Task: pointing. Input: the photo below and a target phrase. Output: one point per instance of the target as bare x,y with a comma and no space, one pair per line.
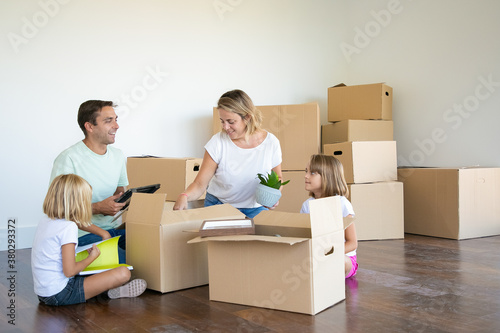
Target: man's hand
105,235
108,206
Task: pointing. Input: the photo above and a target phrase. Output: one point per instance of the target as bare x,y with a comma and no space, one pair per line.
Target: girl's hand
94,252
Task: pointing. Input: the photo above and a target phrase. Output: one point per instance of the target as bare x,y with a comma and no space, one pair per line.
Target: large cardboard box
173,174
456,203
378,209
295,262
157,241
357,130
366,161
293,193
297,127
367,101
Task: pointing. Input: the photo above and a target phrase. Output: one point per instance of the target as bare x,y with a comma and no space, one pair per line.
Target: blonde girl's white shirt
235,179
46,255
346,211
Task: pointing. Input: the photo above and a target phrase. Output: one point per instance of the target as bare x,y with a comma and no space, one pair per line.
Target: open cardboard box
157,242
301,270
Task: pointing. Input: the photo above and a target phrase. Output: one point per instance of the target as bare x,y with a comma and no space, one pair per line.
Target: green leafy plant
271,180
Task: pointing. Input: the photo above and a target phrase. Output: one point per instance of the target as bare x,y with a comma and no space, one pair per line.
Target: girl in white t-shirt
234,156
53,265
325,178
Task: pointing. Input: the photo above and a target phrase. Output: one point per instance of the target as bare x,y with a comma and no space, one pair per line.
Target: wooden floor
419,284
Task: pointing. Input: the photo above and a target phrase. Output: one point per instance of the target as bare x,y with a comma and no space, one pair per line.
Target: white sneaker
131,289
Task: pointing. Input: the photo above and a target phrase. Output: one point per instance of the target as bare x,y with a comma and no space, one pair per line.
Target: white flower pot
267,196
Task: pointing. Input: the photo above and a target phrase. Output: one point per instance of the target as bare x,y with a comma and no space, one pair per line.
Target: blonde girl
55,271
325,178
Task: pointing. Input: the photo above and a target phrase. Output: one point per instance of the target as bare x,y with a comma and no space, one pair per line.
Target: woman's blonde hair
69,197
237,101
332,175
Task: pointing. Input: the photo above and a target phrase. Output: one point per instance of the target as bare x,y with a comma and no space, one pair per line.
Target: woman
234,157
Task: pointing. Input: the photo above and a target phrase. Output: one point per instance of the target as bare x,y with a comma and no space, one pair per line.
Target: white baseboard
23,237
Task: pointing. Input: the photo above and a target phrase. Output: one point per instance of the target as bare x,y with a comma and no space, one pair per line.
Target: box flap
250,238
285,224
326,216
152,209
146,208
282,219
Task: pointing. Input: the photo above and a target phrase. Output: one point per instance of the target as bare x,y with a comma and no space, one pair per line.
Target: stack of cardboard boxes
360,135
298,129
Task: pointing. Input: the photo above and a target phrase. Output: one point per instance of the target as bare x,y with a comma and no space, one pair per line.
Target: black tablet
142,189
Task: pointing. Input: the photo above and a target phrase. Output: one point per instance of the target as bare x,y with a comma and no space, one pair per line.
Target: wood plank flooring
419,284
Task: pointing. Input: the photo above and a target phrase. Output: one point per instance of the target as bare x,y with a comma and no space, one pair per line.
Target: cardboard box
378,209
368,101
366,161
357,130
173,174
293,193
297,127
456,203
300,271
157,241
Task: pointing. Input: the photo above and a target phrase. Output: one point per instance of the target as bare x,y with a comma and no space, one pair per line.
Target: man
103,166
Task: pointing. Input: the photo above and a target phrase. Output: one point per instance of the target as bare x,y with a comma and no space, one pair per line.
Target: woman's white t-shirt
346,211
235,179
46,255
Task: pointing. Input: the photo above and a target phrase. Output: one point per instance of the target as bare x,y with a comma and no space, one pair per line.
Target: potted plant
268,190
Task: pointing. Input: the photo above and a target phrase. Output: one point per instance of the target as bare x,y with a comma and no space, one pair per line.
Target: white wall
436,55
173,59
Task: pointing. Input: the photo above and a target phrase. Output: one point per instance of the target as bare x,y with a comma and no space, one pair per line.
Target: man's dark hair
89,111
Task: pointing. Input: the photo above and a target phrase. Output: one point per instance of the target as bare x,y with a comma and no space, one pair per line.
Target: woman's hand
200,183
182,202
273,207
